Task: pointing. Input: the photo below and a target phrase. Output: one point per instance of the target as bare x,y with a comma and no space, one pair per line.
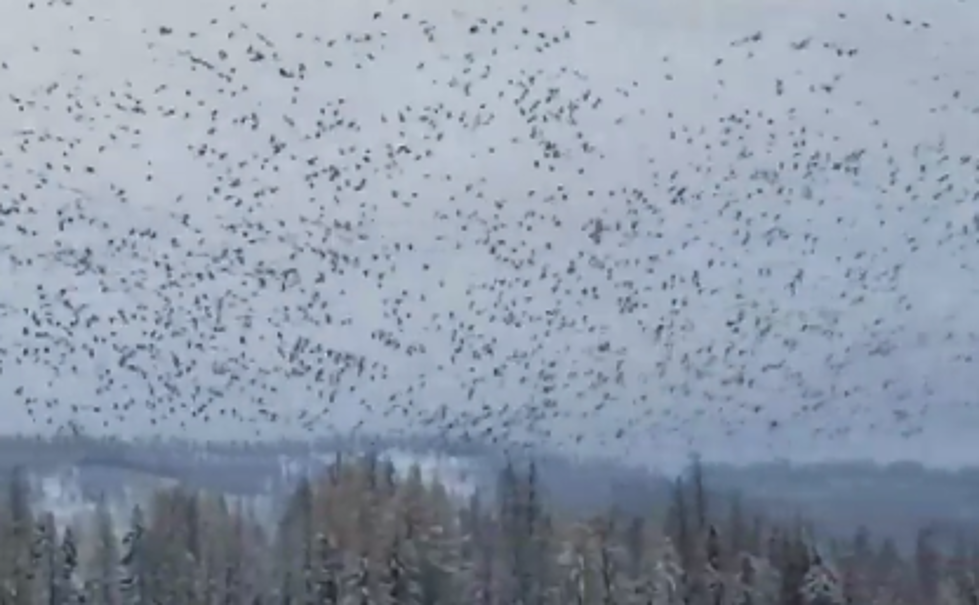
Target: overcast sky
854,289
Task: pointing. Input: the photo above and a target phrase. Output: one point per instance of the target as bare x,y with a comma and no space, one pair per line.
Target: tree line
363,534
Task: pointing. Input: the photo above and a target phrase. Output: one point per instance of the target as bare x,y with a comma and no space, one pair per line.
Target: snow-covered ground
63,493
457,475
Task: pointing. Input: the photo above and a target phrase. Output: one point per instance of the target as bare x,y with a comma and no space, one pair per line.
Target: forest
363,534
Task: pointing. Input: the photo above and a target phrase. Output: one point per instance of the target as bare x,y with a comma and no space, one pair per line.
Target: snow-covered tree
575,563
757,582
609,560
68,590
17,540
661,578
480,537
233,588
105,568
329,567
134,566
357,583
401,584
821,585
46,560
295,545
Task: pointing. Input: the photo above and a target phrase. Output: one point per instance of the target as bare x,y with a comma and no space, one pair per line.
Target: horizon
426,445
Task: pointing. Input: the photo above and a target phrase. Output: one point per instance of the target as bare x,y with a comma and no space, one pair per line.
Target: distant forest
838,498
362,533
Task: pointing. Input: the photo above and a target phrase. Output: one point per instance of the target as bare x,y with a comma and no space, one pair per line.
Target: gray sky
876,322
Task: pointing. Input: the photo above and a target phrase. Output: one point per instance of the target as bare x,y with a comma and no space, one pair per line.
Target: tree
715,578
329,566
357,589
401,583
737,529
793,566
609,560
234,565
296,544
679,524
18,540
820,584
479,549
134,568
526,535
68,592
927,565
45,560
575,561
757,582
106,568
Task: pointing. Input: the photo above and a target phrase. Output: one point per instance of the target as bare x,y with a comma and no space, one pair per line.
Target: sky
790,218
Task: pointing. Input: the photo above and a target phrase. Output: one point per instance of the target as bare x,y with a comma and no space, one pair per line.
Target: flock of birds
605,224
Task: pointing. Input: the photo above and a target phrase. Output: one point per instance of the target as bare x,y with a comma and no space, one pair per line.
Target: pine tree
481,552
679,526
133,564
401,582
68,592
285,588
793,567
574,558
758,582
714,577
745,592
927,563
525,540
446,573
190,560
106,556
232,588
328,570
45,560
669,575
534,558
357,584
296,544
19,539
820,585
609,558
737,530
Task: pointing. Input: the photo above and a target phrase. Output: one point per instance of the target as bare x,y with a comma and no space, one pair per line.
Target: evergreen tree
69,592
927,565
106,555
401,583
820,585
357,584
609,563
233,589
19,539
480,552
574,560
133,563
45,560
329,568
296,543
